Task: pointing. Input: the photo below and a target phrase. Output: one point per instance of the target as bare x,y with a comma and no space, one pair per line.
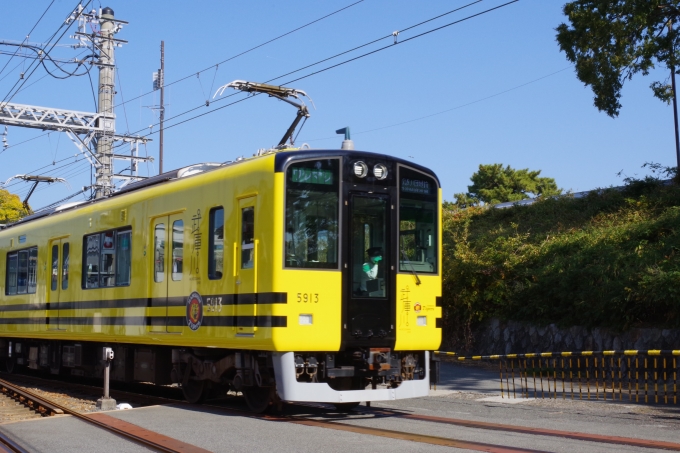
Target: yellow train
295,275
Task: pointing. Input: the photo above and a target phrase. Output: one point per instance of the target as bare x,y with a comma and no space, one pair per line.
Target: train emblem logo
194,311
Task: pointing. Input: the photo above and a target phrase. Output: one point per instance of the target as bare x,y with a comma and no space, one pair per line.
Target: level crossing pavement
465,392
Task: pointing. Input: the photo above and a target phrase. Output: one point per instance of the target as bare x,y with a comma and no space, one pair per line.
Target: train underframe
264,378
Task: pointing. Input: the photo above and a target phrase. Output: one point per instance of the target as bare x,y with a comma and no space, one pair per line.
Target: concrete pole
160,134
104,177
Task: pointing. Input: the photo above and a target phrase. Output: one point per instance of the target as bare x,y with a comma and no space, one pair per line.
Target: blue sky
508,95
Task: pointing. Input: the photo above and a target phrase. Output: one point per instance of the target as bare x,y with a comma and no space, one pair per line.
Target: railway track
317,417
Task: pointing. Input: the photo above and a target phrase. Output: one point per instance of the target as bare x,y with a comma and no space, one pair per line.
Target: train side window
64,265
216,246
247,238
21,272
123,258
159,253
91,261
107,259
177,249
32,270
55,266
12,273
107,274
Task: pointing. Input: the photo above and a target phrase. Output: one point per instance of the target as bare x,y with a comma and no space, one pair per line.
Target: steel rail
129,431
600,438
371,431
31,400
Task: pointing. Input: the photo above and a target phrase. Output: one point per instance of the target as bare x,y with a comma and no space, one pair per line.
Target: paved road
466,392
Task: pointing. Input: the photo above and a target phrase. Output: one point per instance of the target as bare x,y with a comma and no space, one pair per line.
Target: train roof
282,158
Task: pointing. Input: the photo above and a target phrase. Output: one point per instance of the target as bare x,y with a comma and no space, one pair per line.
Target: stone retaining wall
508,337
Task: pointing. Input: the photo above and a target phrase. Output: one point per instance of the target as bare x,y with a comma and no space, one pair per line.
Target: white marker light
421,321
305,320
360,169
380,171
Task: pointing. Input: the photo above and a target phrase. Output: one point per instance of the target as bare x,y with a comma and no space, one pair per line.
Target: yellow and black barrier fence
629,375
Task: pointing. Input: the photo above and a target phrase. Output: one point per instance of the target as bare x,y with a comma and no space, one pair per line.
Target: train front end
361,264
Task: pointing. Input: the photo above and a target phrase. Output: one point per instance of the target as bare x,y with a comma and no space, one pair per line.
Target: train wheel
194,391
345,407
258,398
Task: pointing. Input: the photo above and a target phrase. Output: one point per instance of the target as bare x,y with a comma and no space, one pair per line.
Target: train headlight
360,169
380,171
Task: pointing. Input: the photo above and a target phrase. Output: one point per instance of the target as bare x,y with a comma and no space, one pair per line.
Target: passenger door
59,281
368,278
245,268
168,296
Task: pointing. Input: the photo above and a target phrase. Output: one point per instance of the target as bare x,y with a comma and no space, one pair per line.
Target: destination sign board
312,176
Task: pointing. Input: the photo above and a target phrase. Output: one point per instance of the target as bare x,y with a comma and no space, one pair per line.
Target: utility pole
161,77
104,180
86,129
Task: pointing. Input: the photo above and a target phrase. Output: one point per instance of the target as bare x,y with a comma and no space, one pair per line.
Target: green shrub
611,259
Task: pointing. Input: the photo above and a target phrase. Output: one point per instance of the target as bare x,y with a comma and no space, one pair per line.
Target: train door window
64,265
32,270
177,249
369,254
247,237
159,253
216,246
55,266
12,273
123,258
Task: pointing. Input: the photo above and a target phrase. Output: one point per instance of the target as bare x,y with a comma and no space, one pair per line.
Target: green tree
11,208
494,183
610,41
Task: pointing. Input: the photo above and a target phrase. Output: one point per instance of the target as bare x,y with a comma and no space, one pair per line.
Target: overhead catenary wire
327,68
447,110
12,92
324,69
216,65
310,65
29,34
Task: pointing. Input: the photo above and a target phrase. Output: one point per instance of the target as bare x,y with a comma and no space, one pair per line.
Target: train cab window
417,222
64,265
106,259
21,276
312,214
247,238
216,244
177,249
159,253
55,267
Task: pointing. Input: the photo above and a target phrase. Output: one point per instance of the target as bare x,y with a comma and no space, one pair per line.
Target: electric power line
29,34
246,51
326,69
25,79
447,110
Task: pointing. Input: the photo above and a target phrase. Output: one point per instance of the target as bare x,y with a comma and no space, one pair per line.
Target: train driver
369,270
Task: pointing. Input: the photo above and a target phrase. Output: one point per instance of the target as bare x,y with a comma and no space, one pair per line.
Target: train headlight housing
380,171
360,169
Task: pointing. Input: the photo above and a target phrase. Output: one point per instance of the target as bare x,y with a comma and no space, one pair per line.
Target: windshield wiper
413,271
